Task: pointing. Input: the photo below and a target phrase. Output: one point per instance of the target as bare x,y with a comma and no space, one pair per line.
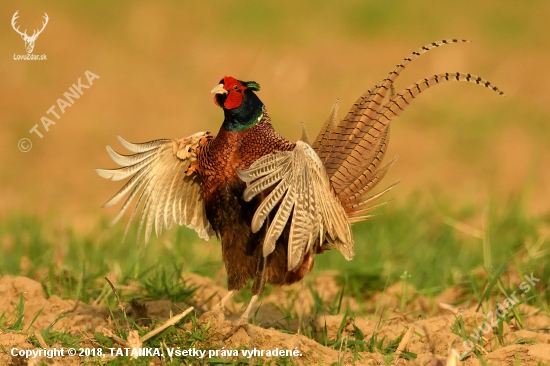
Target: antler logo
29,40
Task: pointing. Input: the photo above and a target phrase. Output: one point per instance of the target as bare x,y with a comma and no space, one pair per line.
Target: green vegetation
437,245
453,253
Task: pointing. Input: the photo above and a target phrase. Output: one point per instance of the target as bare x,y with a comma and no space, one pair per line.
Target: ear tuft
252,85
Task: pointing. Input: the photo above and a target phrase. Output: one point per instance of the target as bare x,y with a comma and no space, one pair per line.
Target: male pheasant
273,203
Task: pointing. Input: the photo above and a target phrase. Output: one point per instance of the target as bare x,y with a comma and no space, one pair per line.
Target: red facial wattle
235,91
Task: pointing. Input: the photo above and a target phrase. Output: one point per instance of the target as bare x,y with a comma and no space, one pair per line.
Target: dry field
417,331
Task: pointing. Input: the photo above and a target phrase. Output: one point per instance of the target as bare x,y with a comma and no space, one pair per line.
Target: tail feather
355,220
370,199
322,144
362,162
397,104
347,175
342,132
360,120
352,150
364,211
356,212
388,82
364,184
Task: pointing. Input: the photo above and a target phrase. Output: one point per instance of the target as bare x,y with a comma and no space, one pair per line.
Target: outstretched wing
159,177
304,192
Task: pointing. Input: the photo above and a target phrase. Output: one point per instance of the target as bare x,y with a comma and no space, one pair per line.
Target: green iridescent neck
243,119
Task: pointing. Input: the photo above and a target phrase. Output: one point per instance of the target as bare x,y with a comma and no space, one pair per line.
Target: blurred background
157,62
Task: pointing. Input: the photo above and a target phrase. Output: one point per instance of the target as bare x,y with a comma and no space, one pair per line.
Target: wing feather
124,172
142,146
127,160
268,204
306,198
262,166
127,186
279,221
136,189
269,180
158,171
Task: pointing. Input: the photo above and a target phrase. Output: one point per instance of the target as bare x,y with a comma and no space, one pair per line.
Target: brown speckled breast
226,210
230,150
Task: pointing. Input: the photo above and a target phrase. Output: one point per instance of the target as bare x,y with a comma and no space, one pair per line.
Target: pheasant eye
235,87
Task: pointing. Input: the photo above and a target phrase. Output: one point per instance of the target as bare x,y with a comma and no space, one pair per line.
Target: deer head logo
29,40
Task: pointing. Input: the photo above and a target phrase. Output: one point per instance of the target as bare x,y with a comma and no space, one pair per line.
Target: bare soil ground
431,337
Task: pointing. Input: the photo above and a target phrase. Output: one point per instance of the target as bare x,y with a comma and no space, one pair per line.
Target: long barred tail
352,150
335,141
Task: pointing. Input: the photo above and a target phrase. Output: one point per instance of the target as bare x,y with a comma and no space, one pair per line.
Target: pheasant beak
218,89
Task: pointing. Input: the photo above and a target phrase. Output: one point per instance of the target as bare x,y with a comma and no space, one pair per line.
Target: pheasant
273,203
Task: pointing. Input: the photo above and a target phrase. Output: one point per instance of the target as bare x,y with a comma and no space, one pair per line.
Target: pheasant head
241,106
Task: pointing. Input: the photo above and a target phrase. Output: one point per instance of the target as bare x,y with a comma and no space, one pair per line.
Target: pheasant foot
242,322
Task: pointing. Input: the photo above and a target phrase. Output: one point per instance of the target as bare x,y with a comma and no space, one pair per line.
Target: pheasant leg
242,322
216,313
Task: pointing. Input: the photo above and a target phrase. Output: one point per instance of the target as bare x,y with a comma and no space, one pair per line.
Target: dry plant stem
219,309
449,307
166,347
71,310
118,340
466,229
101,296
154,332
118,300
452,360
114,291
134,341
341,355
40,339
169,323
481,349
221,305
403,344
